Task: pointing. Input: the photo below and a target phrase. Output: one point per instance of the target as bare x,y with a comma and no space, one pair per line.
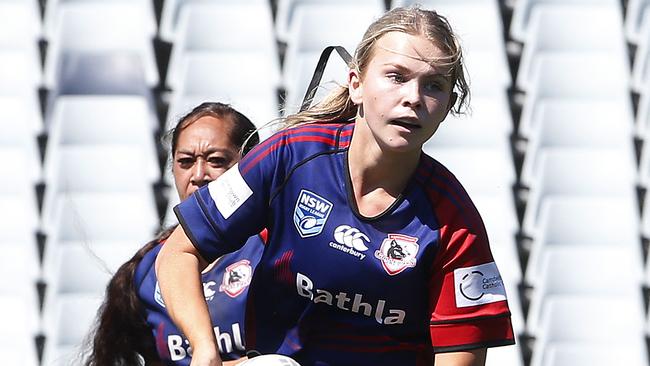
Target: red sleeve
468,301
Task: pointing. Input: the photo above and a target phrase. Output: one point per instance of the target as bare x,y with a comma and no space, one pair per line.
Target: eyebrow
408,71
208,152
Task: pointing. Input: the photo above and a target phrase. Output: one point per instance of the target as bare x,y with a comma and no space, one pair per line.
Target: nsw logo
311,213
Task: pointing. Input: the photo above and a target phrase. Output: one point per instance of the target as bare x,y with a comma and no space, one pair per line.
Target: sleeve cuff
471,334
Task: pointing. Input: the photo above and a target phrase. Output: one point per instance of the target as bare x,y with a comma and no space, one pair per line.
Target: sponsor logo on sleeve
311,213
478,285
350,240
229,191
397,253
236,278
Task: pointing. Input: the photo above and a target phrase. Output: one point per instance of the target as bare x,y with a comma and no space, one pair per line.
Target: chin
402,145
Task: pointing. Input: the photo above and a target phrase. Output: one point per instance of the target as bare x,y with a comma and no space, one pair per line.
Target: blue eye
396,77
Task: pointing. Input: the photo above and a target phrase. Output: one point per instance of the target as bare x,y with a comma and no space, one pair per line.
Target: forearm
464,358
178,268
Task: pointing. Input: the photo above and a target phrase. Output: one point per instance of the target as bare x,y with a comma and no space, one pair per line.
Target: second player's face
203,152
403,98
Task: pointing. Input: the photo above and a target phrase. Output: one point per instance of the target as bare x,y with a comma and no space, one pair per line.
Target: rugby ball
270,360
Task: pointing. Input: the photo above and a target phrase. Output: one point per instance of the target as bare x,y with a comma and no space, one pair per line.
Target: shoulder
295,144
146,265
448,198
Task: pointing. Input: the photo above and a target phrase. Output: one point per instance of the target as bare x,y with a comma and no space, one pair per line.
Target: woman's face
203,152
402,97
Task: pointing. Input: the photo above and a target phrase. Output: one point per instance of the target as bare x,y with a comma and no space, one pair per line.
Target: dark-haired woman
133,323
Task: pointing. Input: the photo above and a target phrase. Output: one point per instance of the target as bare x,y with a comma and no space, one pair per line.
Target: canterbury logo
351,237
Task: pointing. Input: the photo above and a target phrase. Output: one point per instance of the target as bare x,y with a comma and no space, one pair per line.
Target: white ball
270,360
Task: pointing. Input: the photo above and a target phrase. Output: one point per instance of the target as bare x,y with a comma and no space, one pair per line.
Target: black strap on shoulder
320,69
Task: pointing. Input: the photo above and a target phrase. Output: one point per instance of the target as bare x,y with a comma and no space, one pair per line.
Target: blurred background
552,150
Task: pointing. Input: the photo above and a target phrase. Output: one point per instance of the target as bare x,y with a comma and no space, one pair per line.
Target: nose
412,96
200,174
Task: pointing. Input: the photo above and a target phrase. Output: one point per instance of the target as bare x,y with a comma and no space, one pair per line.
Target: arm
178,268
474,357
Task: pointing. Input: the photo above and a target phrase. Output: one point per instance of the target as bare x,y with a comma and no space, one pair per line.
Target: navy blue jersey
336,288
225,287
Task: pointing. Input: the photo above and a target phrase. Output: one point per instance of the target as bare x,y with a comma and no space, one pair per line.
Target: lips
406,123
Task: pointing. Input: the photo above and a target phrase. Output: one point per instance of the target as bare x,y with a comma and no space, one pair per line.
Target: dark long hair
121,335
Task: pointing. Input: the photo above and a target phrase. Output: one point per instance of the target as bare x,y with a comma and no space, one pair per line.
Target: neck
378,176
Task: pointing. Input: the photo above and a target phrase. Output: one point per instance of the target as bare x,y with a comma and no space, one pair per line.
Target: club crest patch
311,213
398,252
236,278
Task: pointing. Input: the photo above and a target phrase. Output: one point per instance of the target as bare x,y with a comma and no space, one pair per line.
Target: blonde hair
337,106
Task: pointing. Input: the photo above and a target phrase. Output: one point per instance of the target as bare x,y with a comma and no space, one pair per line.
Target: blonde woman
376,254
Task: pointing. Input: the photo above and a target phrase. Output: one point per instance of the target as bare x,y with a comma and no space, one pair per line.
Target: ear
355,87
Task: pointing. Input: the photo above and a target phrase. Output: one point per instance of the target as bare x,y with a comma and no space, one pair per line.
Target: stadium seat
586,223
106,73
21,112
202,27
314,27
567,172
143,8
637,18
100,28
577,113
569,269
19,23
575,353
262,110
66,321
570,320
83,268
19,319
256,97
640,78
521,15
18,141
102,216
578,124
19,265
488,124
20,352
19,174
478,176
570,77
83,120
23,220
287,10
18,311
643,116
89,168
20,71
171,10
570,29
